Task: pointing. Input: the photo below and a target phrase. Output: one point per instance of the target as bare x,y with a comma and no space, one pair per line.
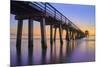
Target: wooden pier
46,14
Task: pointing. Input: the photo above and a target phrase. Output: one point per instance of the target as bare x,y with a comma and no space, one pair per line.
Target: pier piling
19,33
51,34
55,34
43,34
60,34
30,33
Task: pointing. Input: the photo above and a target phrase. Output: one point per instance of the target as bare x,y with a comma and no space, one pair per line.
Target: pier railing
49,10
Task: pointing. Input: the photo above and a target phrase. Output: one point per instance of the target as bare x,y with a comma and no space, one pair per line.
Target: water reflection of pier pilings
30,56
70,46
18,56
64,56
43,58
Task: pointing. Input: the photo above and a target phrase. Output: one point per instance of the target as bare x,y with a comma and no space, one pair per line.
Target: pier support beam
75,36
67,35
55,34
51,34
72,35
78,35
19,33
60,33
43,34
30,33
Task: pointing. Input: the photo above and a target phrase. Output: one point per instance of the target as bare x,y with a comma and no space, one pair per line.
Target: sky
82,16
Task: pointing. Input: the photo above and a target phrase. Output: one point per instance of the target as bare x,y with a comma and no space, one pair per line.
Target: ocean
80,50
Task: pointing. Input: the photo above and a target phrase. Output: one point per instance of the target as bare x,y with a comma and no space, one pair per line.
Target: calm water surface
82,50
